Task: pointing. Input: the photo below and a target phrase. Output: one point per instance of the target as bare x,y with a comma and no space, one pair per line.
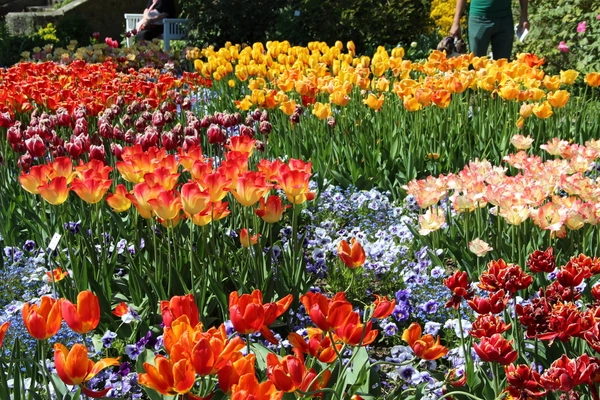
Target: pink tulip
581,27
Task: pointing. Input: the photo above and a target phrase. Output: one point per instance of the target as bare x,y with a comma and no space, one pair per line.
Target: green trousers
499,32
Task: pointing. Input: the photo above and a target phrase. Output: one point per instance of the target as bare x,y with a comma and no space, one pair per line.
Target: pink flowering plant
567,33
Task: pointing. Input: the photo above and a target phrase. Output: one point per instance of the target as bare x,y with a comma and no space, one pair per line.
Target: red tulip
496,349
178,306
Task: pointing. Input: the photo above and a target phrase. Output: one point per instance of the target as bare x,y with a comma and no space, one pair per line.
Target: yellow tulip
339,98
382,84
374,103
322,111
559,98
288,107
411,103
551,82
543,110
568,77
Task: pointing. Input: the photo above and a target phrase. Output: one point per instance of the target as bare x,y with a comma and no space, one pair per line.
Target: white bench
174,29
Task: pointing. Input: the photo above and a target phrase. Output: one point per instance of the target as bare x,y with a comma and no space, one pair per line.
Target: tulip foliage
180,205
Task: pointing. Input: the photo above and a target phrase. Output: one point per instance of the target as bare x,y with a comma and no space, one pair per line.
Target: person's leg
149,34
502,38
480,34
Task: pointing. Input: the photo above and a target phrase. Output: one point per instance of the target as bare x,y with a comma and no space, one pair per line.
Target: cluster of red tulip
95,86
555,313
195,353
44,320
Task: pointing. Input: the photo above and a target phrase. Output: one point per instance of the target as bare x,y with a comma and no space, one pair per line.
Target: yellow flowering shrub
442,14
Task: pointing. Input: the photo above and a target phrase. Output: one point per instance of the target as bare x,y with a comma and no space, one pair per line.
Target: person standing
151,24
490,22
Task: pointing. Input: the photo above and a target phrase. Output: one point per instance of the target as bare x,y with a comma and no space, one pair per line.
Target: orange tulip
37,176
86,316
248,314
121,309
193,199
383,307
355,333
3,329
354,256
272,210
327,314
167,377
318,345
91,190
424,347
57,274
166,205
295,185
249,388
287,374
43,321
211,351
118,201
339,98
56,191
162,176
62,166
217,184
593,79
441,98
231,373
213,212
246,240
250,187
242,143
75,368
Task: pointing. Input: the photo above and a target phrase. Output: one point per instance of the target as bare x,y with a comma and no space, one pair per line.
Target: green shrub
556,21
369,23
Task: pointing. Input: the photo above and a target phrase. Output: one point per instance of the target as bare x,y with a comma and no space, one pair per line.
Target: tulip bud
105,129
81,126
96,35
117,133
25,162
13,134
168,115
216,134
140,125
150,139
117,151
190,141
204,122
35,146
62,117
73,149
265,127
18,147
186,104
158,119
120,101
5,119
245,130
264,116
80,112
331,121
97,153
169,141
228,121
238,118
249,120
260,146
295,118
129,136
